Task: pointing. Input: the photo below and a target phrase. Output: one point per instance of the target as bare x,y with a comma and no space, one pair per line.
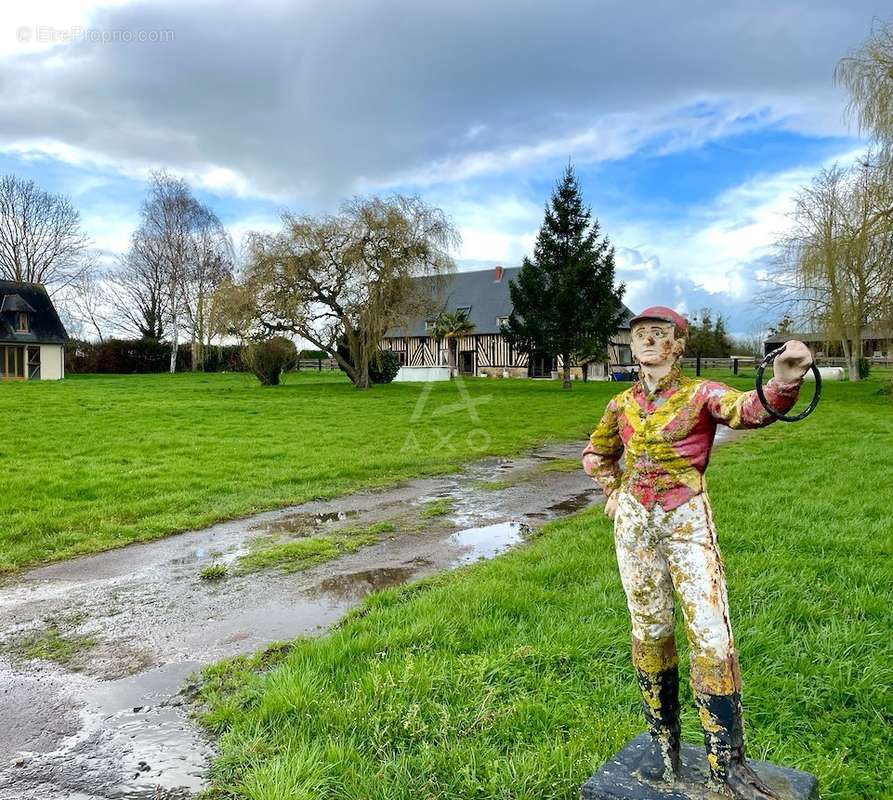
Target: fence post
319,365
735,366
698,365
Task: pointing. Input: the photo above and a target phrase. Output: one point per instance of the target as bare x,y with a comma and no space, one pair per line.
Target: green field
506,679
511,678
95,462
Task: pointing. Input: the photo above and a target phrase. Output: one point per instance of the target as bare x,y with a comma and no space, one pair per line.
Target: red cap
663,314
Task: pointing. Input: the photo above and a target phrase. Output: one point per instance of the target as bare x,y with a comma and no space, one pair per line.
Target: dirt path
97,713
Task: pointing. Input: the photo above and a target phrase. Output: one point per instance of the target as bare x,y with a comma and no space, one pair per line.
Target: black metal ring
778,415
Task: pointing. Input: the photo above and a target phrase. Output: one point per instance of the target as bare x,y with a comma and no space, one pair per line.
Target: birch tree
210,263
180,253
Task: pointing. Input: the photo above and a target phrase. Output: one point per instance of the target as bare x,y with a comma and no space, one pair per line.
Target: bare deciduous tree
137,290
168,218
86,302
349,276
179,256
40,235
210,263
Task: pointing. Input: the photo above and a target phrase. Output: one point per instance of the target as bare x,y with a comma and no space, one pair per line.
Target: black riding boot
660,695
721,719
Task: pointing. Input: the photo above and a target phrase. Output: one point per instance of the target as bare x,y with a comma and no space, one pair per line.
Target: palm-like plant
450,326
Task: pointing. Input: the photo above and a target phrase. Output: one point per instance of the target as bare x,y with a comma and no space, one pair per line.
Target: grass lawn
95,462
511,678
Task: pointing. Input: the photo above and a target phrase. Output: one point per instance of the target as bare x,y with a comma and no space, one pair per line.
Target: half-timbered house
483,296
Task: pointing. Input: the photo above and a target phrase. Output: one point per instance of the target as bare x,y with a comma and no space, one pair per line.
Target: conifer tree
565,302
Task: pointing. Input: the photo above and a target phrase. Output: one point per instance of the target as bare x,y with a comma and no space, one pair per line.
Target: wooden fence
749,362
317,364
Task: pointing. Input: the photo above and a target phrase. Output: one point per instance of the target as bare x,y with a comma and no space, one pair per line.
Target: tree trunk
361,359
174,344
343,363
852,359
566,369
363,374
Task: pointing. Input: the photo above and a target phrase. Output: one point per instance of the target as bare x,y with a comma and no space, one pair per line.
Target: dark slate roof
44,322
488,299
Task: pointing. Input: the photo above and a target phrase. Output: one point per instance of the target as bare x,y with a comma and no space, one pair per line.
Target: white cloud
41,25
716,246
110,232
252,223
303,100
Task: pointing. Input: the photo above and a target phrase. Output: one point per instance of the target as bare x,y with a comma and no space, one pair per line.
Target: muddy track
94,651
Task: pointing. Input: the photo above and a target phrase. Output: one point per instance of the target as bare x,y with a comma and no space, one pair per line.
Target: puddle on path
95,735
356,585
487,541
305,523
571,504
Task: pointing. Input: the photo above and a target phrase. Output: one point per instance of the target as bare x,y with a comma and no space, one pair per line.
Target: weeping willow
867,75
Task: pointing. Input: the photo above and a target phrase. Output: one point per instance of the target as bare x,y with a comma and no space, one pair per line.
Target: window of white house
501,322
22,322
463,310
429,325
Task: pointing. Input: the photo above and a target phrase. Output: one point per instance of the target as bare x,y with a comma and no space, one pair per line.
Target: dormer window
502,322
22,322
463,311
429,325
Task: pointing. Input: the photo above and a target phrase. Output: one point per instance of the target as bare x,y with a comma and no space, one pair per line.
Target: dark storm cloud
318,98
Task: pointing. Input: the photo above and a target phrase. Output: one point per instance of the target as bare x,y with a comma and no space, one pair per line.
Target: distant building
32,336
876,343
483,295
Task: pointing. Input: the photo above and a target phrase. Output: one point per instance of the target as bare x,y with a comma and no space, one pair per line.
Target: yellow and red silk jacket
667,434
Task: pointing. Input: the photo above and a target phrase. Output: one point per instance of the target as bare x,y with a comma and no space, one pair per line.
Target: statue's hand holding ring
792,363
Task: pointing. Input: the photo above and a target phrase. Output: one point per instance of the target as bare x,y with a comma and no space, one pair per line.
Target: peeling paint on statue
663,427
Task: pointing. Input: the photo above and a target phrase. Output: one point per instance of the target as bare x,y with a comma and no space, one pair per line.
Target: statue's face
654,343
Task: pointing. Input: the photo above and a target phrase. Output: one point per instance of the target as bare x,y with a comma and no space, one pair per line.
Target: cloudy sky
691,124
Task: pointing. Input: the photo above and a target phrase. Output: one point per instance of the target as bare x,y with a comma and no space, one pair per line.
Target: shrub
383,367
864,368
269,358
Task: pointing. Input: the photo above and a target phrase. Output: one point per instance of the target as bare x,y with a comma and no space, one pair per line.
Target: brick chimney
497,274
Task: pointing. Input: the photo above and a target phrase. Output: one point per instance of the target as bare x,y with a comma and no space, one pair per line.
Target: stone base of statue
617,779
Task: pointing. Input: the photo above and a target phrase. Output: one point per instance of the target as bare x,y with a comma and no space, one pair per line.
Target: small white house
32,337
